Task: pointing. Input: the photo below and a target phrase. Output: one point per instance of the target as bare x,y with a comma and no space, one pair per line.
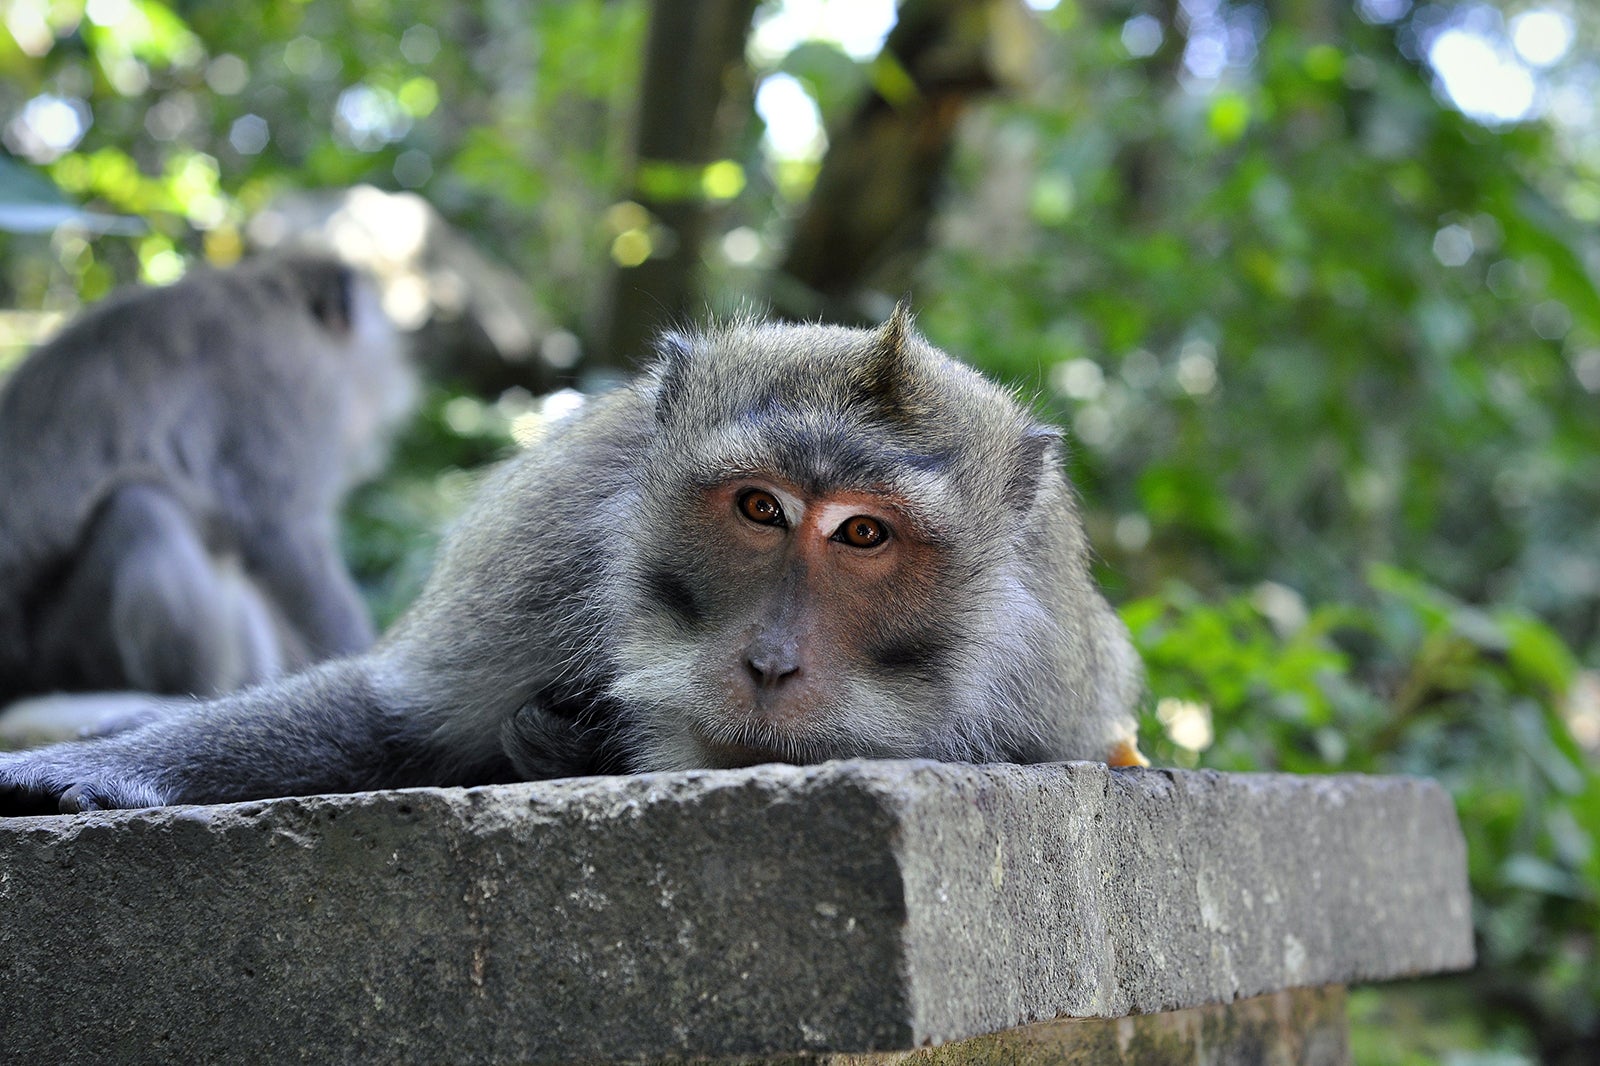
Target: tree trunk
868,216
693,46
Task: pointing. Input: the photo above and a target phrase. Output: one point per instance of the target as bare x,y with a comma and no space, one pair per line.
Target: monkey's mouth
733,756
731,753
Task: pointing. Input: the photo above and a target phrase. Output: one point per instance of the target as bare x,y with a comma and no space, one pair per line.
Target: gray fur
171,465
588,612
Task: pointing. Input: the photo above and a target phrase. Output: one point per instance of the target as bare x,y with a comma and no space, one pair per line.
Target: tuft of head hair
889,362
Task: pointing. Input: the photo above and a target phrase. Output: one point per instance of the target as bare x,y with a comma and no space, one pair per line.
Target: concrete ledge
849,907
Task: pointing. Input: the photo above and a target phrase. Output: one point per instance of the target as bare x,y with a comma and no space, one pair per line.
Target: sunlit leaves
120,32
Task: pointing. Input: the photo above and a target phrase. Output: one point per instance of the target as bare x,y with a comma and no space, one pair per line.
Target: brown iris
862,531
762,507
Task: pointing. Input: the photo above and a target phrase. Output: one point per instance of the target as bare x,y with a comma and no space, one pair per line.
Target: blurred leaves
500,114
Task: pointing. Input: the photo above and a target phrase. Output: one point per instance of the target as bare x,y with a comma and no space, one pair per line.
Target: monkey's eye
761,507
862,531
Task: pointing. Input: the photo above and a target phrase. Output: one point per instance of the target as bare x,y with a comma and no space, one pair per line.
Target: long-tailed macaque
171,465
782,543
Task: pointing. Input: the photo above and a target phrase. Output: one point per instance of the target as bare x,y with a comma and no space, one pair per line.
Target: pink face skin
823,575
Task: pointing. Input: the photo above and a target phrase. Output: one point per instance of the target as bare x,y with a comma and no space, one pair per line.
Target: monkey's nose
771,666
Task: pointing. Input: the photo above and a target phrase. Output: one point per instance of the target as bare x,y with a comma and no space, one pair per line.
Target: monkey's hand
542,745
329,729
72,777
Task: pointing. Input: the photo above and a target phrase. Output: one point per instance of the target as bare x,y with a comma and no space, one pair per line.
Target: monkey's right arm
331,729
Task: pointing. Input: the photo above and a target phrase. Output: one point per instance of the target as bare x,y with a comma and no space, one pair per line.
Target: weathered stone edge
1136,869
1168,889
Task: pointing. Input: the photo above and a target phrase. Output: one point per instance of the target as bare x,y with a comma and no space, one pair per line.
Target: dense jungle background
1313,284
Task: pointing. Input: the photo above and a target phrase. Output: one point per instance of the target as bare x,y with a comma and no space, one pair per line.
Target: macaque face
819,554
789,626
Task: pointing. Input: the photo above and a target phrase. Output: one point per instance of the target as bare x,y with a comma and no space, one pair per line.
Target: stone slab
848,907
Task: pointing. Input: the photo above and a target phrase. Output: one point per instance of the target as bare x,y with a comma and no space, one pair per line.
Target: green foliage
1412,411
503,116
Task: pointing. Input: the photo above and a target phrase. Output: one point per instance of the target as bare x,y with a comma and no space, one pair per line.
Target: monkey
171,465
780,543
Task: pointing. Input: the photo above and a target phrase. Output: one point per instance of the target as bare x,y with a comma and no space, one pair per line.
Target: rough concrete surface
848,907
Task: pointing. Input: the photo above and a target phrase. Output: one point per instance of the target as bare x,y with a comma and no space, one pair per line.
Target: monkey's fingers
56,781
80,798
1126,752
108,792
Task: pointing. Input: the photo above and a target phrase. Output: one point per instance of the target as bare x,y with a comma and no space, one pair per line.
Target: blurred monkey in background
171,466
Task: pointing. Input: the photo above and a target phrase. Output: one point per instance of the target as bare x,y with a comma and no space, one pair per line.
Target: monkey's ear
674,350
1037,452
888,364
330,285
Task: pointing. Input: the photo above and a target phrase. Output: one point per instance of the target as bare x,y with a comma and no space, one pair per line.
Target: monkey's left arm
330,729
